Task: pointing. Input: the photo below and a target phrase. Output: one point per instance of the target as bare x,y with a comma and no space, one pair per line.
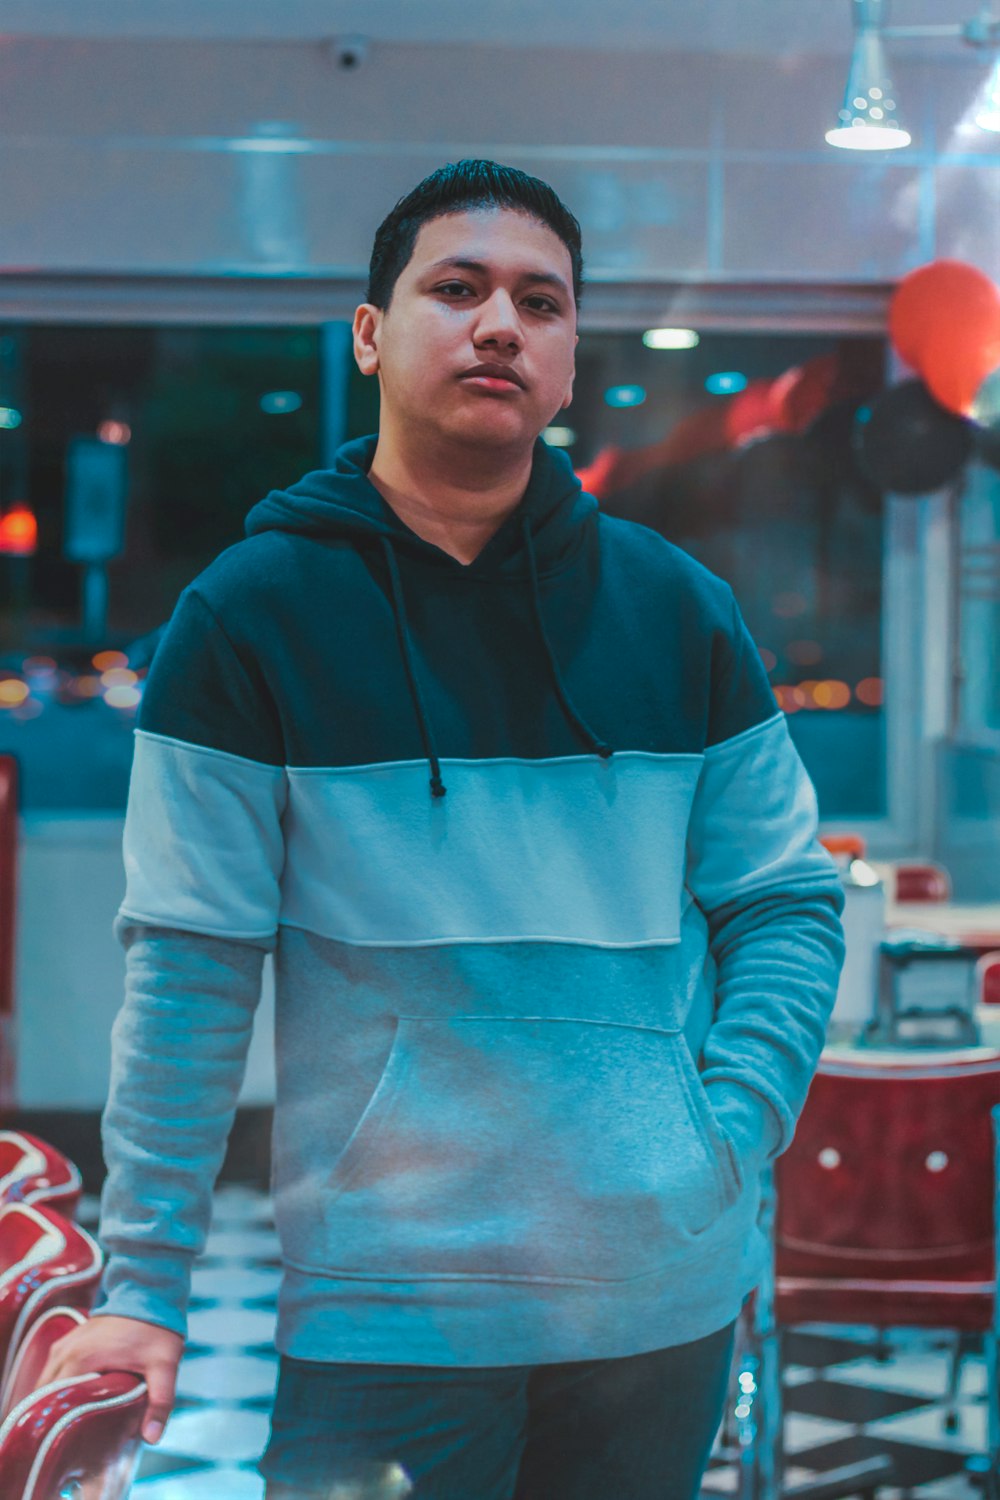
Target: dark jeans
639,1428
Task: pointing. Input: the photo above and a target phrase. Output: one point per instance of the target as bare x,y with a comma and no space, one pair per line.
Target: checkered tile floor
843,1401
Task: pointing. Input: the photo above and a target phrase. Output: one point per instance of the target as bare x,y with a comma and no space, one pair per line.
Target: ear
569,389
367,327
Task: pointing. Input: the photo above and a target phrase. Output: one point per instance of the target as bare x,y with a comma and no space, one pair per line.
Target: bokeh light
624,395
105,660
13,692
831,694
122,697
869,692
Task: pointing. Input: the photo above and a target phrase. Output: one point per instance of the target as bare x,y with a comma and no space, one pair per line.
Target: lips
494,372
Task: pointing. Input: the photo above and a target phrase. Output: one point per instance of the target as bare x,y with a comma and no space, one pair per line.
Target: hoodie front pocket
527,1148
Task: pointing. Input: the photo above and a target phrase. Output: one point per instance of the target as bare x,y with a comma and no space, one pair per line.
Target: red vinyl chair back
922,883
32,1171
988,969
82,1432
885,1197
30,1356
80,1435
44,1260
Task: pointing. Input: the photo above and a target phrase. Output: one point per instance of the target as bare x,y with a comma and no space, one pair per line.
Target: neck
455,500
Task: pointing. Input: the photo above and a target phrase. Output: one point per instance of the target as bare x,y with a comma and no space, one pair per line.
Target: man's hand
112,1343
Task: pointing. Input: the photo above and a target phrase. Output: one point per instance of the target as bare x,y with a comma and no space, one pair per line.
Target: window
197,425
787,517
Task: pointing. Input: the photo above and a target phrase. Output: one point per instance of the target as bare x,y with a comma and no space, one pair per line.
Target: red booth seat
32,1171
44,1260
76,1435
83,1431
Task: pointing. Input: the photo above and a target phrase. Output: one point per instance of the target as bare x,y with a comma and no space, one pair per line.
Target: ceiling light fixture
867,117
671,338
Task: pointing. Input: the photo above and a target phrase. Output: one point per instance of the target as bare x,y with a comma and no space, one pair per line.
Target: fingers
161,1379
150,1352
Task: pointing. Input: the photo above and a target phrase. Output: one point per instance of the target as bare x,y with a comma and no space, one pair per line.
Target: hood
342,502
549,524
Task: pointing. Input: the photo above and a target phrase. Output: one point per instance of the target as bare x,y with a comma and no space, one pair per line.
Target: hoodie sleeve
773,901
203,855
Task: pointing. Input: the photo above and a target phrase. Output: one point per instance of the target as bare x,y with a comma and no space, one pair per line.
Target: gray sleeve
179,1048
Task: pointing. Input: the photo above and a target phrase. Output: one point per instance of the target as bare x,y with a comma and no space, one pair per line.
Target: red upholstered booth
32,1171
45,1261
80,1435
77,1436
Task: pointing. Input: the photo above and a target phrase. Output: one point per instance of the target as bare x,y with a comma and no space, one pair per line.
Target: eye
453,286
547,305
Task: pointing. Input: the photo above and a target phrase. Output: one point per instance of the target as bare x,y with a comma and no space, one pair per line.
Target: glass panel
753,470
979,604
138,452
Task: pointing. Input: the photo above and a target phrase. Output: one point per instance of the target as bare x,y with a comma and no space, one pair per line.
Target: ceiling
775,27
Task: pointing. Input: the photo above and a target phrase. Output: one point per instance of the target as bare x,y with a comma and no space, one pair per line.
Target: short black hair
454,188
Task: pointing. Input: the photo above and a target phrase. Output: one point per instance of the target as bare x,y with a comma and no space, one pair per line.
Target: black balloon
831,443
987,446
911,445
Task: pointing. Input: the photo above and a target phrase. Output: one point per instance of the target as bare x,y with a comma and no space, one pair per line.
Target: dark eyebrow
547,278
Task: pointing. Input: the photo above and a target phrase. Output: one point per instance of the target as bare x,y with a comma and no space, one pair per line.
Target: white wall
70,971
178,157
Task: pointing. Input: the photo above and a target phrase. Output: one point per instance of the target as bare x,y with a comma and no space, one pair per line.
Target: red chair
883,1214
77,1436
80,1435
32,1171
32,1352
924,882
988,970
45,1260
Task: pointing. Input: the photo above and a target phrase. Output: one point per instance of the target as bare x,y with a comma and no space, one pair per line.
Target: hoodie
554,941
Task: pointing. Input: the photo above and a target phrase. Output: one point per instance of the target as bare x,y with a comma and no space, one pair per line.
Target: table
976,925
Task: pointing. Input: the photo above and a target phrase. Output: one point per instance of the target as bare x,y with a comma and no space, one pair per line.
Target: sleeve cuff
747,1118
152,1288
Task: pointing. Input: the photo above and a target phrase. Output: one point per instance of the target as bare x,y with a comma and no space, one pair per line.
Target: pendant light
867,120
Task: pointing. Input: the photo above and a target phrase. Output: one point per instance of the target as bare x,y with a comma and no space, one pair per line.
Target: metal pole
95,601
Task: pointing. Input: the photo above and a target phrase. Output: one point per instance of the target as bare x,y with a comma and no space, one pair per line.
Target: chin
492,434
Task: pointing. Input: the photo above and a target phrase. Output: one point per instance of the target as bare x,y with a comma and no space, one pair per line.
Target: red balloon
751,411
955,361
937,299
801,393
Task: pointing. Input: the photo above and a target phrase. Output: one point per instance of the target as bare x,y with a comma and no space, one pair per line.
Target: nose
498,322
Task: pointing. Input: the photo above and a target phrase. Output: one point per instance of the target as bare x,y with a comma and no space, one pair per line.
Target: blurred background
188,195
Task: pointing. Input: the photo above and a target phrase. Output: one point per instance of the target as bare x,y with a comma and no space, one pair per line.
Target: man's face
483,287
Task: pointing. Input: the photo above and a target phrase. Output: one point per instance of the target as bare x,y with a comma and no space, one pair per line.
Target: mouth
498,378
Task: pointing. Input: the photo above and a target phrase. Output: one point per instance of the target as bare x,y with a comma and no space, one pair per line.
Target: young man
502,783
